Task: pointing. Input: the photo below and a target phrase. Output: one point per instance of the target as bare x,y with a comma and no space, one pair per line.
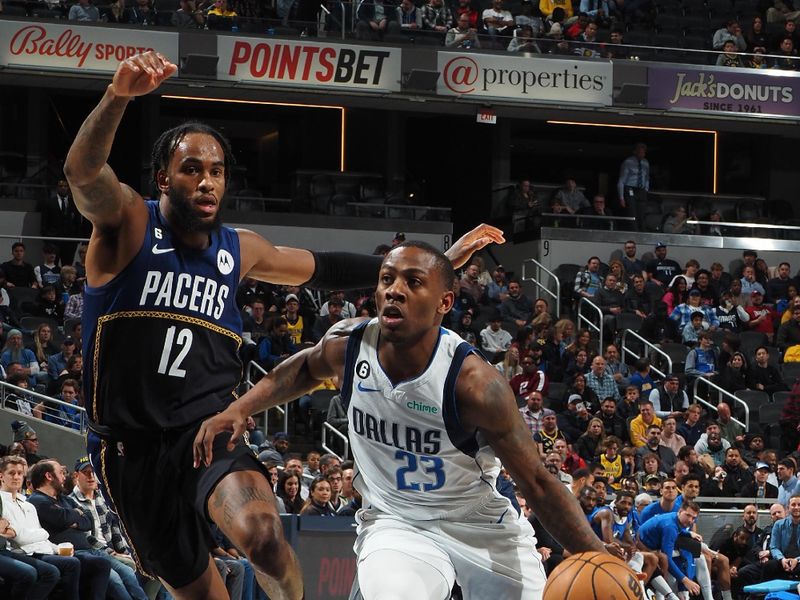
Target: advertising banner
69,46
525,79
724,90
308,64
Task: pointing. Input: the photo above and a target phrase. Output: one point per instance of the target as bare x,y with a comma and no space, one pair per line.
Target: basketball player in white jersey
427,417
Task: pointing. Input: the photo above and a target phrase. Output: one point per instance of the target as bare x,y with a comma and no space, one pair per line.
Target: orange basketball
592,576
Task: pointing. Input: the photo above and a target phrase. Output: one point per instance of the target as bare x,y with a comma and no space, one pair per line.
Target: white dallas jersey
413,459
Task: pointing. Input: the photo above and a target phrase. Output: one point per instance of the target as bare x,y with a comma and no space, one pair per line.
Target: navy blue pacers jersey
161,340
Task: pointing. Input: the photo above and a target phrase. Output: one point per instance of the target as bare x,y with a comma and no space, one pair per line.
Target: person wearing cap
762,316
753,450
105,533
333,314
58,362
682,314
548,433
760,487
494,339
280,442
25,435
348,308
731,315
15,352
300,326
668,398
661,269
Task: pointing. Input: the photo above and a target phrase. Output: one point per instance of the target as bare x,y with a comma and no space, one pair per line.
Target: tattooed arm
486,403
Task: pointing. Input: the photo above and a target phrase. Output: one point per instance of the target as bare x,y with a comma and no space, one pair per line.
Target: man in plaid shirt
436,16
532,413
603,384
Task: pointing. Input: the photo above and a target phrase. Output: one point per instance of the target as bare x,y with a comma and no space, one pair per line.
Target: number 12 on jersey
432,465
184,341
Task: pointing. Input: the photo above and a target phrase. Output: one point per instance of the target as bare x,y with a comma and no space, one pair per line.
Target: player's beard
181,205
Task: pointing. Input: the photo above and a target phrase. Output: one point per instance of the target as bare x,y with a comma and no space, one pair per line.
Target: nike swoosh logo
157,250
361,388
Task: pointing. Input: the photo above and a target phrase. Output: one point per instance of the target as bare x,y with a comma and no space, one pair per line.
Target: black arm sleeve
344,271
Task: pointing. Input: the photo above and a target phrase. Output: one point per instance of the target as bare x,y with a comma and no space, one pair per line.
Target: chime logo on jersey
224,261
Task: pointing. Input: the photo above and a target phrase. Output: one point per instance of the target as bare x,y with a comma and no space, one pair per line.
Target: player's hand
228,420
545,552
696,536
141,74
615,549
691,586
469,243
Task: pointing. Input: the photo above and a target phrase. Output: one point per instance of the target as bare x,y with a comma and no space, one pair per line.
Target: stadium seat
750,341
790,372
754,399
780,398
768,417
676,352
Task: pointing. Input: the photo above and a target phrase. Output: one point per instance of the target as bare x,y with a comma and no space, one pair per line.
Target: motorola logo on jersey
399,436
224,261
184,291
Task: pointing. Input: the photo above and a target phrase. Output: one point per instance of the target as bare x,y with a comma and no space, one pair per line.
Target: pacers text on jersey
399,436
184,292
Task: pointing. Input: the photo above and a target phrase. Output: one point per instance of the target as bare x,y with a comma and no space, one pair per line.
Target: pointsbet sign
308,64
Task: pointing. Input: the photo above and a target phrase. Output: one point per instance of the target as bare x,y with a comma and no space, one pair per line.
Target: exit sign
487,116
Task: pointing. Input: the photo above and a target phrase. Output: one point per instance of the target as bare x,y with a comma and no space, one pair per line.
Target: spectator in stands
787,481
65,522
73,370
188,16
692,329
43,346
661,270
600,382
616,48
638,426
547,8
256,325
409,18
323,323
763,376
549,433
682,313
15,352
533,413
587,43
618,269
465,8
277,346
590,444
611,303
531,379
702,282
777,288
720,280
702,360
48,305
633,266
677,222
760,487
753,451
527,17
57,363
524,41
786,59
691,429
18,272
376,19
510,366
25,434
497,288
20,401
637,299
84,10
558,44
587,280
784,546
642,380
598,208
348,308
319,495
658,328
436,16
789,335
613,424
711,446
471,285
47,273
749,281
731,32
66,413
634,183
734,374
497,20
571,197
517,308
250,289
653,445
67,284
668,399
672,439
462,35
762,316
615,367
494,339
59,220
677,295
220,10
288,493
465,328
730,314
789,30
574,421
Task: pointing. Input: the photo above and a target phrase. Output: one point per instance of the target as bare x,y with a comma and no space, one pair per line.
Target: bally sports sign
524,79
308,64
48,45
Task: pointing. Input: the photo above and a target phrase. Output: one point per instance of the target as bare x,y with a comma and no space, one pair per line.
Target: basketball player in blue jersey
428,420
161,340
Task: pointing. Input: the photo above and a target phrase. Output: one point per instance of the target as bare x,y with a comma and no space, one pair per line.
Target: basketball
592,575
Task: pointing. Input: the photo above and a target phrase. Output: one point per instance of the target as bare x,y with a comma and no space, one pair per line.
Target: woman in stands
43,347
578,364
510,366
582,341
756,36
617,268
319,495
586,393
651,465
288,493
589,445
563,334
677,294
733,376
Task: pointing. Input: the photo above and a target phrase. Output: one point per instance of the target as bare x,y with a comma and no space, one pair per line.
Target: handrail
7,388
653,348
590,324
747,225
540,267
610,219
249,382
328,427
387,206
697,398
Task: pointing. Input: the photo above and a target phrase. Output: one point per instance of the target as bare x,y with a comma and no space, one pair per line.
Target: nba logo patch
224,262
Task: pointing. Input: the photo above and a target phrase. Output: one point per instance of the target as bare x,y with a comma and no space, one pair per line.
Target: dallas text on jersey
394,434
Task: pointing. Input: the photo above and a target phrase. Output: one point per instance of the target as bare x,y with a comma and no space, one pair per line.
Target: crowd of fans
743,34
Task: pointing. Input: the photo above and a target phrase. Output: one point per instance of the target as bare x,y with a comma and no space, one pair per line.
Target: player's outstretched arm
338,270
291,379
486,403
98,193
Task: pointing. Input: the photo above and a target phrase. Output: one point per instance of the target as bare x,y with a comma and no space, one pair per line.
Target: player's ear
446,303
162,180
